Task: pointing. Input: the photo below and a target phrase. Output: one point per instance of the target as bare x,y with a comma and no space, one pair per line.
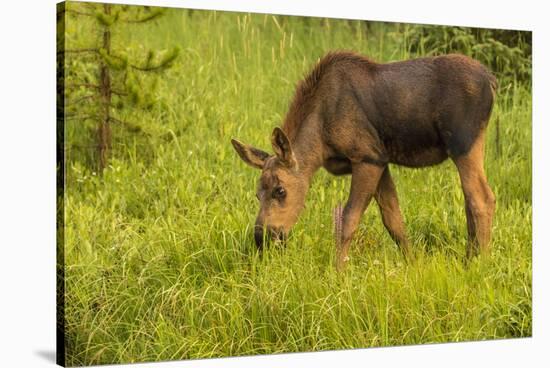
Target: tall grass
160,262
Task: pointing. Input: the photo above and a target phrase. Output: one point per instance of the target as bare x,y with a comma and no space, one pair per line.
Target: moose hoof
341,263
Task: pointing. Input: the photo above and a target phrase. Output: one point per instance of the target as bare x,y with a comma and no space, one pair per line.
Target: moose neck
307,147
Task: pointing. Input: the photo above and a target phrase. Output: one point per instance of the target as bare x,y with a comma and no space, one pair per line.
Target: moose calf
354,116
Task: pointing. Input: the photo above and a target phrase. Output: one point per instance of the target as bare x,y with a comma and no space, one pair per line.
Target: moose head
281,189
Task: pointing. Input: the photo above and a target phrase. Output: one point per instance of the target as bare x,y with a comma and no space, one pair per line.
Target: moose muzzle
264,233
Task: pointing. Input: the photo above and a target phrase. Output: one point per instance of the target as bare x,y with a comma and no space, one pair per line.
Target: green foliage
160,259
128,87
147,14
114,62
107,20
139,96
168,58
506,53
159,61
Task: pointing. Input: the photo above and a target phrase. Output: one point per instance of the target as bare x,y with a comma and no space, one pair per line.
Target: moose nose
270,233
262,235
259,237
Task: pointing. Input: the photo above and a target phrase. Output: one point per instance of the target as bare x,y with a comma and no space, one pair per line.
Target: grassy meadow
160,262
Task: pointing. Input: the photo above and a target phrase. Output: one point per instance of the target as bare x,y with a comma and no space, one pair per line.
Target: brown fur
386,197
303,102
351,115
479,198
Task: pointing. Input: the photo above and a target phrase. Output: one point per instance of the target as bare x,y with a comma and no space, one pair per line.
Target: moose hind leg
479,198
386,197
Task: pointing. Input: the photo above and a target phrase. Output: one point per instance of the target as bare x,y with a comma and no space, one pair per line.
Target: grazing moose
354,116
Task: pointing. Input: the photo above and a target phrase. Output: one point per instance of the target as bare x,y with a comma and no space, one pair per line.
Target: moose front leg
386,196
364,181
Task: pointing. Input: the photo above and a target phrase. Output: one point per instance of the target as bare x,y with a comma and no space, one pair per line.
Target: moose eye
279,192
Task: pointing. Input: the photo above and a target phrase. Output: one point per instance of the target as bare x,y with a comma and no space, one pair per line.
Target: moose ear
252,156
282,148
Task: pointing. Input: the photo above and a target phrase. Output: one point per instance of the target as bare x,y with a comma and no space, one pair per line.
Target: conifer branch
80,99
78,12
146,18
119,93
79,85
168,58
134,128
148,66
80,117
77,51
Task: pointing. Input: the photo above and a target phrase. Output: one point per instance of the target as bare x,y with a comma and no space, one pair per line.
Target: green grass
159,256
